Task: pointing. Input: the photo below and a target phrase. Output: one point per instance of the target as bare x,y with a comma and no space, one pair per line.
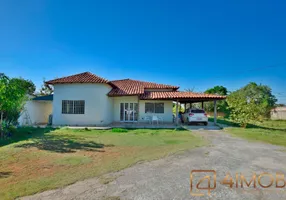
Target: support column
215,112
202,105
177,113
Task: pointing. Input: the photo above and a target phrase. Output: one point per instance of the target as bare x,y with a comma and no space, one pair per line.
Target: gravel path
169,178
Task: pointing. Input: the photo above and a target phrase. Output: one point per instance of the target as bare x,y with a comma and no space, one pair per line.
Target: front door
128,112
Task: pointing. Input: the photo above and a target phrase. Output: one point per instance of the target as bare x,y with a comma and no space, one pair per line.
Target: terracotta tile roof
85,77
134,87
178,95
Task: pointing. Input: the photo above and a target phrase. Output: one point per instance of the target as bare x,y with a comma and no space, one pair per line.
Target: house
278,113
87,99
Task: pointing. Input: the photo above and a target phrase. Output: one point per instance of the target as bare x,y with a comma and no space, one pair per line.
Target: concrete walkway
169,178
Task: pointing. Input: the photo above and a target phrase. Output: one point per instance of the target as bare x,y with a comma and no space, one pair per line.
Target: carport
186,98
191,101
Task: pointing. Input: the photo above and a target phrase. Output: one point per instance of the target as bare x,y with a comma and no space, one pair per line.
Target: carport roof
183,97
44,98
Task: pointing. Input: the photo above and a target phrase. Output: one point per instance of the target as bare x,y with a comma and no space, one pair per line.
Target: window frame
154,109
75,107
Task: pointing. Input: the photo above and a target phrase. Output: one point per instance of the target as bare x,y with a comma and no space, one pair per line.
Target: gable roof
128,87
85,77
134,87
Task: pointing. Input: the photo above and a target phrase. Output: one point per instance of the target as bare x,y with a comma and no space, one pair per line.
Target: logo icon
205,179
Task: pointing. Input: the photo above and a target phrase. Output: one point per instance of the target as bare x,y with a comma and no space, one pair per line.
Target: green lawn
38,159
269,131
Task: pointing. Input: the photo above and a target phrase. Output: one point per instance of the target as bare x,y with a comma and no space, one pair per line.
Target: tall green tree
27,85
219,90
4,81
251,103
13,94
222,104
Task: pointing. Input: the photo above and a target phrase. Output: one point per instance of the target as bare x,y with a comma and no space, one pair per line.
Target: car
195,116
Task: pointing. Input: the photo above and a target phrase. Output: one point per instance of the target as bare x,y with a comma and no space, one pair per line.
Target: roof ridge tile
85,77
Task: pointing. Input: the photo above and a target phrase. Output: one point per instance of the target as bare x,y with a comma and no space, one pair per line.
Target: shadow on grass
5,174
25,133
43,139
62,144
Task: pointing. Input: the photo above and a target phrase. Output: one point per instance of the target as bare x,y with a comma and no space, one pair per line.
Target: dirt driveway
169,178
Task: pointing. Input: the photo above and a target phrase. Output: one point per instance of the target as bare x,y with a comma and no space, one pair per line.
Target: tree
219,90
251,103
221,105
28,85
4,80
46,89
13,94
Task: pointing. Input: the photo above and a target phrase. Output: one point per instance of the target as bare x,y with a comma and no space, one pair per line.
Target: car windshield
197,111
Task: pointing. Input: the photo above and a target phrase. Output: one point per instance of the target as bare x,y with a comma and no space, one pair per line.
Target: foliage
6,130
28,85
219,90
13,94
221,105
252,102
46,89
180,109
119,130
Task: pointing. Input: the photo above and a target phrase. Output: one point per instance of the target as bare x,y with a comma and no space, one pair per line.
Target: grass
37,159
276,137
269,131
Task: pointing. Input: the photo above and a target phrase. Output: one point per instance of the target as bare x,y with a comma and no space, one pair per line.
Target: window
197,111
149,107
159,107
154,107
73,107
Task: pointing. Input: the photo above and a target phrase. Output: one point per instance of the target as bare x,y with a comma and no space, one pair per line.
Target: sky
192,44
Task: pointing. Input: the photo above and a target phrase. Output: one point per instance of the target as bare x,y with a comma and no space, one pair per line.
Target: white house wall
35,112
116,103
98,106
168,110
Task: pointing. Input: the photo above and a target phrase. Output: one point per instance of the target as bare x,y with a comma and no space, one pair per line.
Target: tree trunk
1,118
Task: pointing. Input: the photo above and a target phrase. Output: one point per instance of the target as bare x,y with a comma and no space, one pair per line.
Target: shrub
119,130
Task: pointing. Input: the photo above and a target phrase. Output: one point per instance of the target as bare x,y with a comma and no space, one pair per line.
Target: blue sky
188,43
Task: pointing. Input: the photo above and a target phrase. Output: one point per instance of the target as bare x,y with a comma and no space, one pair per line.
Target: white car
195,116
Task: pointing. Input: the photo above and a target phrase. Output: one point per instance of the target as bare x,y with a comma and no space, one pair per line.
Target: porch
186,99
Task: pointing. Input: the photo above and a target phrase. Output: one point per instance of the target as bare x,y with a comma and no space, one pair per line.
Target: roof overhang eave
184,100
